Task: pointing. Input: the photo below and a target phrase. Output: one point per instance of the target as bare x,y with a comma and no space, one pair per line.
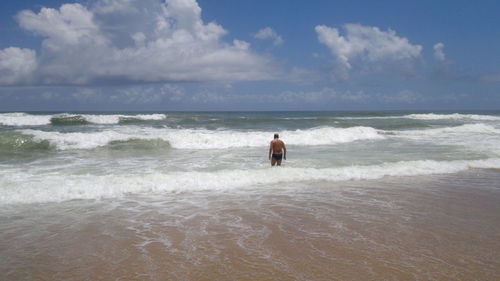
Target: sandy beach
443,227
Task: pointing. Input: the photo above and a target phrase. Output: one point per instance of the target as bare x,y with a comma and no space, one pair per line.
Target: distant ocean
50,161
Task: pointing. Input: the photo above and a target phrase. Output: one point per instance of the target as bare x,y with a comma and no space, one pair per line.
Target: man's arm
270,150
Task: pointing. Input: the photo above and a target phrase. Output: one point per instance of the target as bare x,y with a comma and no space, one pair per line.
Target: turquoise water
53,157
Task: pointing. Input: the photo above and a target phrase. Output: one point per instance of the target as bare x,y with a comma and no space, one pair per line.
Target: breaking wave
203,139
429,116
477,128
25,119
453,116
15,142
21,187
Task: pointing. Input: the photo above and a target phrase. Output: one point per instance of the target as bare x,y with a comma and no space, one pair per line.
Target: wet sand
443,227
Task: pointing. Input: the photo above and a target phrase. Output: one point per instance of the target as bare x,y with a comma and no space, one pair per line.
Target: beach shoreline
439,227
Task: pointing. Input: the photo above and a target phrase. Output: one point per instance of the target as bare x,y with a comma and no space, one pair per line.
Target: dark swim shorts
277,156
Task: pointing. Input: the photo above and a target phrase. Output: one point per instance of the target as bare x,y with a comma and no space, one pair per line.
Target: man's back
277,146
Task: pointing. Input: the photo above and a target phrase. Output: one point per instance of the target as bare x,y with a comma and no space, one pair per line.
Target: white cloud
148,94
84,95
16,65
327,95
71,25
172,92
309,97
269,33
129,40
438,52
368,44
112,6
213,96
317,97
404,96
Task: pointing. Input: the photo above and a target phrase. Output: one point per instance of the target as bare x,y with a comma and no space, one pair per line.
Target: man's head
276,136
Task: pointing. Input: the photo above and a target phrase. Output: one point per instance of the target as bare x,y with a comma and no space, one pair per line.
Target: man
277,150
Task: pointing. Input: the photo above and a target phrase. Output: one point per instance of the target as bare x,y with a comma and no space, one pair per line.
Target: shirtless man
277,150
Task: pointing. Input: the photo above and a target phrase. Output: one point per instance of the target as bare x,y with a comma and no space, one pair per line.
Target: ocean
390,195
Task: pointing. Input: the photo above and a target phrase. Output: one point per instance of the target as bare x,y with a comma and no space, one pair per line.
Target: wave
22,187
223,139
474,137
141,117
69,120
115,119
453,116
15,142
477,128
203,139
139,144
67,141
25,119
428,116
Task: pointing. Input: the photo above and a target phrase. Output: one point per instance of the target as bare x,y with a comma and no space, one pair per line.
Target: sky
205,55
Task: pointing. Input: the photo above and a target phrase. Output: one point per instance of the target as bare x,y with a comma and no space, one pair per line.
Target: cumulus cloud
129,40
269,33
370,45
438,52
16,65
71,25
129,95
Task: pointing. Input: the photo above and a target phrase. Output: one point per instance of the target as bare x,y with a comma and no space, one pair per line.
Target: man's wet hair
276,136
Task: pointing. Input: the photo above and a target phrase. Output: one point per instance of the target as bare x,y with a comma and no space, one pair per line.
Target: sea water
64,156
180,180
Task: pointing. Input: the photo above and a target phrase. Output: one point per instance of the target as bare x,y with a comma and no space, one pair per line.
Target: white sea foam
474,137
115,119
430,116
65,141
453,116
477,128
204,139
148,116
23,187
102,119
25,119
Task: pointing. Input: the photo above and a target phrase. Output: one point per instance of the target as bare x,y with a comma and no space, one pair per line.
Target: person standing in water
277,151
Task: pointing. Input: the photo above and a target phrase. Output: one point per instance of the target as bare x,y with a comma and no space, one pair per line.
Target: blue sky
249,55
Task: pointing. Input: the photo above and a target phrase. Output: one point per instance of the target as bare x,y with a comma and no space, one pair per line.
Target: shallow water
398,228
